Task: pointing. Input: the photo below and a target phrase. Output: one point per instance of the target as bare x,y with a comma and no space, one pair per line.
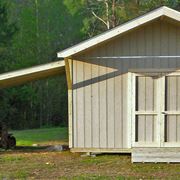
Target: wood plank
178,128
118,98
171,128
155,155
95,104
149,129
164,45
110,98
171,82
178,46
141,93
102,150
149,45
133,104
172,112
172,106
156,44
146,112
80,104
87,105
160,106
129,110
172,45
149,89
68,73
125,45
75,125
141,47
70,118
178,94
149,106
102,100
141,106
178,108
141,128
133,48
70,100
124,108
126,112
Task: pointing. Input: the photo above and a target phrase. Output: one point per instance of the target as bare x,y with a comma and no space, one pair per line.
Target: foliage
33,31
7,31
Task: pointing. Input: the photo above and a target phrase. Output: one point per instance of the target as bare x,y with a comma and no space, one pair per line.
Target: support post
68,67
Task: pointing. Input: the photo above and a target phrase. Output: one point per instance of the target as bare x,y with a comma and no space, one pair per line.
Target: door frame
160,109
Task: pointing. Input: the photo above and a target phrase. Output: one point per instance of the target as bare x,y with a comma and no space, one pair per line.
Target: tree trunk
107,14
113,14
40,92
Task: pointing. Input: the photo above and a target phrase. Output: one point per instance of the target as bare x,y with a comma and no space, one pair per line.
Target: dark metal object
7,140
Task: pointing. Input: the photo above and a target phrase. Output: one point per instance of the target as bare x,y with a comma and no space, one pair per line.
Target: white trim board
148,17
131,57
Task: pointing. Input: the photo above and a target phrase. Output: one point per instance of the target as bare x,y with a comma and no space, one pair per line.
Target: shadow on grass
44,148
30,148
26,149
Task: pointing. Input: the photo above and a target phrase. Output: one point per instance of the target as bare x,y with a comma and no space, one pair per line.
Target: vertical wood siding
100,85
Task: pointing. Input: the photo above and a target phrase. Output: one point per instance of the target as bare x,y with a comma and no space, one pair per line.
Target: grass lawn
42,164
43,136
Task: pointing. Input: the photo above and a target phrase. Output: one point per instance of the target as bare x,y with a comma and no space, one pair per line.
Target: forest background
33,31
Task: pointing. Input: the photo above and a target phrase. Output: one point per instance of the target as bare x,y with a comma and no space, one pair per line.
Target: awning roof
30,74
148,17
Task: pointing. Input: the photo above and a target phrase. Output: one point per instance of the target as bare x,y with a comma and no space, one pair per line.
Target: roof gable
148,17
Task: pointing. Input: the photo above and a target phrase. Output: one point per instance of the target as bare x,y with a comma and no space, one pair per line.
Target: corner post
68,67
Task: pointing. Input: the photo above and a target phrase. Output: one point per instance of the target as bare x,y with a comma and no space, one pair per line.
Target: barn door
171,113
156,111
146,123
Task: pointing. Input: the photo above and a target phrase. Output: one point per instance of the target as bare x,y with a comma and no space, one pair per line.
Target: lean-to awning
30,74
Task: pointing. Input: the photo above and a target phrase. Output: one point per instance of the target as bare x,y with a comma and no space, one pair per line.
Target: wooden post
68,67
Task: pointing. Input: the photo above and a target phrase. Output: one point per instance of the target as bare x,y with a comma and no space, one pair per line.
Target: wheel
11,142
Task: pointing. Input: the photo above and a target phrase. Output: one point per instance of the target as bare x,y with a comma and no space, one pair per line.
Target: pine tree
7,31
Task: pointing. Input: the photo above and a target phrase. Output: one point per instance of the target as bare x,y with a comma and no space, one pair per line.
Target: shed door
172,112
147,114
156,117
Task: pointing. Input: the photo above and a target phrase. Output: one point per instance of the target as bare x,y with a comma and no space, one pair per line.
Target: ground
38,163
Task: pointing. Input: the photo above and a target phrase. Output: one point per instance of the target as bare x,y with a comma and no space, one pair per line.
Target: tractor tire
11,142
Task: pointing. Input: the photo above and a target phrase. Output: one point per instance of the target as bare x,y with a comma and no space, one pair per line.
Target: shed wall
100,101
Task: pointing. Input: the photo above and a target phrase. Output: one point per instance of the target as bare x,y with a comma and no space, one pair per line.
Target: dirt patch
66,165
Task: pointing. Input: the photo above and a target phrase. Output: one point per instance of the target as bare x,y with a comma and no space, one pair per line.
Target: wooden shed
124,89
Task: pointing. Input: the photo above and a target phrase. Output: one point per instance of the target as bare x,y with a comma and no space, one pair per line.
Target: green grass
11,159
39,136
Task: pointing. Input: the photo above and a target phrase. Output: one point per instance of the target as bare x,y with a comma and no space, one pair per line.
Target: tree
107,14
7,32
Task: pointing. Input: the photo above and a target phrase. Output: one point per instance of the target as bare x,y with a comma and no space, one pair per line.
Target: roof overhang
31,74
148,17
